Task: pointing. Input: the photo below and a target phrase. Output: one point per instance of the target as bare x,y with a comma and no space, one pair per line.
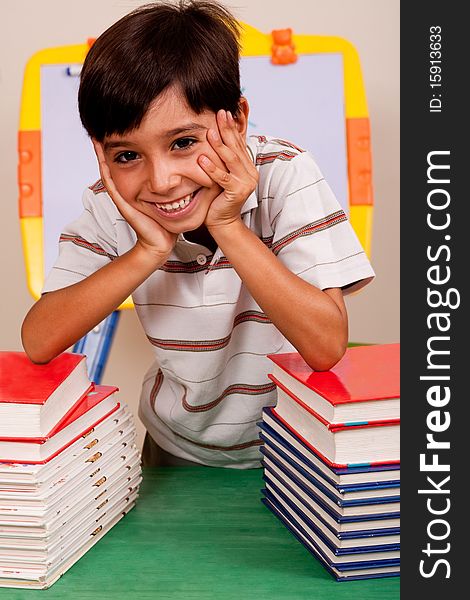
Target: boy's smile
178,208
155,167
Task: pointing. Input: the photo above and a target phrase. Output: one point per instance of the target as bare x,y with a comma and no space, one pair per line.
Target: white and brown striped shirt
203,397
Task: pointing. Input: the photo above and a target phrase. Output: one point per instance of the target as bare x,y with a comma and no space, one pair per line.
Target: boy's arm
314,321
60,318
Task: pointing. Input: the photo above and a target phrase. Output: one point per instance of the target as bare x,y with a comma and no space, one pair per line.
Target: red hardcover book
96,406
34,398
363,386
373,443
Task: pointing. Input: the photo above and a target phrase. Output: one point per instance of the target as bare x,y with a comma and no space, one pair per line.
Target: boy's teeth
171,206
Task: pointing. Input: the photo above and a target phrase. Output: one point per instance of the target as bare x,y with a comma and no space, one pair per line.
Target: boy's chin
183,226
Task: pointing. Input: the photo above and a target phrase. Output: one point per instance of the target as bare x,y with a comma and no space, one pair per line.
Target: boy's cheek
122,185
211,195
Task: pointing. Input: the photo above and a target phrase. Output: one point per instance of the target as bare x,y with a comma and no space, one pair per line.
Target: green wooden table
202,533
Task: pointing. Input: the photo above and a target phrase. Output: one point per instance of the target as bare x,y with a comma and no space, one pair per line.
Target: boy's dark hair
192,44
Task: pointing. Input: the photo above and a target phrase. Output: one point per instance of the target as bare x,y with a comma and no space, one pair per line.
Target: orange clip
359,161
90,42
282,50
29,173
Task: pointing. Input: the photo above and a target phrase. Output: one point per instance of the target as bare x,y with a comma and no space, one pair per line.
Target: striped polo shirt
204,394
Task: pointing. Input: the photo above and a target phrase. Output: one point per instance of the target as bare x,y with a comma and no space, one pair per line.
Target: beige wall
371,25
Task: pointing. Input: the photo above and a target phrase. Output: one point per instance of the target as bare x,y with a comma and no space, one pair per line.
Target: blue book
342,491
360,498
341,571
356,509
339,531
337,545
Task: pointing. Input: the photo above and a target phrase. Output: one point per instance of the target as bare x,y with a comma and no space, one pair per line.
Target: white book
92,471
40,562
39,578
48,517
17,534
32,475
27,549
88,413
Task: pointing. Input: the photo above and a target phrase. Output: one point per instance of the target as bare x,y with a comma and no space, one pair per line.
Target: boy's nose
162,178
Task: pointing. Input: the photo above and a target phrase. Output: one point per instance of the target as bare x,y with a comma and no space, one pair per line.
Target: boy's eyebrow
184,129
170,133
118,144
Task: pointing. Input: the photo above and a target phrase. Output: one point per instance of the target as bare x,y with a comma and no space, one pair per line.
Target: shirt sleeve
312,235
85,245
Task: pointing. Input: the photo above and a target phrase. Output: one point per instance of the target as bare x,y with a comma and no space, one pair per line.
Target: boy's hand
237,176
151,236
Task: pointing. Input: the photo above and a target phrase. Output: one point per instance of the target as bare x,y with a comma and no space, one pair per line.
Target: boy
232,249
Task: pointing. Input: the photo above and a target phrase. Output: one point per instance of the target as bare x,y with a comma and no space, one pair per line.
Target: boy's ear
242,116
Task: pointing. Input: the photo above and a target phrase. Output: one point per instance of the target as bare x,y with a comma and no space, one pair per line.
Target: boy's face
155,168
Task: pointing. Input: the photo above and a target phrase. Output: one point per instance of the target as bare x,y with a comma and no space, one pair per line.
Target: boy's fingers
214,172
242,175
233,158
230,133
104,169
228,130
225,153
232,138
98,146
108,180
228,181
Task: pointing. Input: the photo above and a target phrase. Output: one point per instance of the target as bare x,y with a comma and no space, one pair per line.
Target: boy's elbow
38,359
36,353
326,362
326,359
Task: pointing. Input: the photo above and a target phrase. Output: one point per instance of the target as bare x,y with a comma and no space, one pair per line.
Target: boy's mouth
177,206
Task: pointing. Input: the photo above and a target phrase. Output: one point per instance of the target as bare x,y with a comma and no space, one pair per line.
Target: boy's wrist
149,258
226,231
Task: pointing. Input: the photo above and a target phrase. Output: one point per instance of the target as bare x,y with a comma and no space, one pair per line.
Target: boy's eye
183,143
125,157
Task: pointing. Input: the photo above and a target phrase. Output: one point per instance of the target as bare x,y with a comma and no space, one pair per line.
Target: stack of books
69,466
331,458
